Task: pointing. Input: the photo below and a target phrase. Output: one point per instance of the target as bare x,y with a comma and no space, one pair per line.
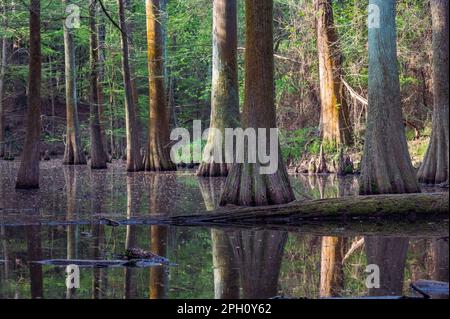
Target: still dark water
206,263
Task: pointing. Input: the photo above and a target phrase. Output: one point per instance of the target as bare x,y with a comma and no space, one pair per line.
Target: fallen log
408,215
404,207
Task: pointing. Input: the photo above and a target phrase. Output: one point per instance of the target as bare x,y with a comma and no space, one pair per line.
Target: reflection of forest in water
209,262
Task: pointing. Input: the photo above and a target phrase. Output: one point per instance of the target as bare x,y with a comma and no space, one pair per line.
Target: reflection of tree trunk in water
390,255
99,276
420,259
312,180
71,189
5,252
3,237
439,259
258,255
34,253
331,271
226,285
133,205
159,236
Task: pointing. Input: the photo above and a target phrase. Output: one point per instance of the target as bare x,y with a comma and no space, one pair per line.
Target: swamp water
54,223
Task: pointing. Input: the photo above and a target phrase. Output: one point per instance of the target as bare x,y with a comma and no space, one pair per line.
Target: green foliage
294,144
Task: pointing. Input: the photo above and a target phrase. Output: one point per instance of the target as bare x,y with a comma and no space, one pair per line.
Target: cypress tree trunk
3,64
98,155
386,165
134,158
245,185
101,36
28,176
128,4
73,154
335,118
435,168
158,154
225,86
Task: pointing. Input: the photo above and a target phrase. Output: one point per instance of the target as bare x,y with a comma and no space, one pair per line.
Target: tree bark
158,154
245,185
101,35
386,166
335,118
73,154
28,176
98,154
225,86
134,158
435,168
3,65
408,207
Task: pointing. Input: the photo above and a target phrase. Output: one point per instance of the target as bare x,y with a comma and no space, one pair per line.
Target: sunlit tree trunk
389,254
386,164
158,154
225,86
73,154
28,176
226,277
258,256
245,185
3,65
435,168
98,154
335,119
134,158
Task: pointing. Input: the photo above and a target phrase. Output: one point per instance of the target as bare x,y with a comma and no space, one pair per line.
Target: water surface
207,263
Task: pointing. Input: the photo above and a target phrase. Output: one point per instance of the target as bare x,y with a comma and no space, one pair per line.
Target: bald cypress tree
246,186
435,167
28,176
73,154
336,128
225,86
158,154
134,158
386,165
98,154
